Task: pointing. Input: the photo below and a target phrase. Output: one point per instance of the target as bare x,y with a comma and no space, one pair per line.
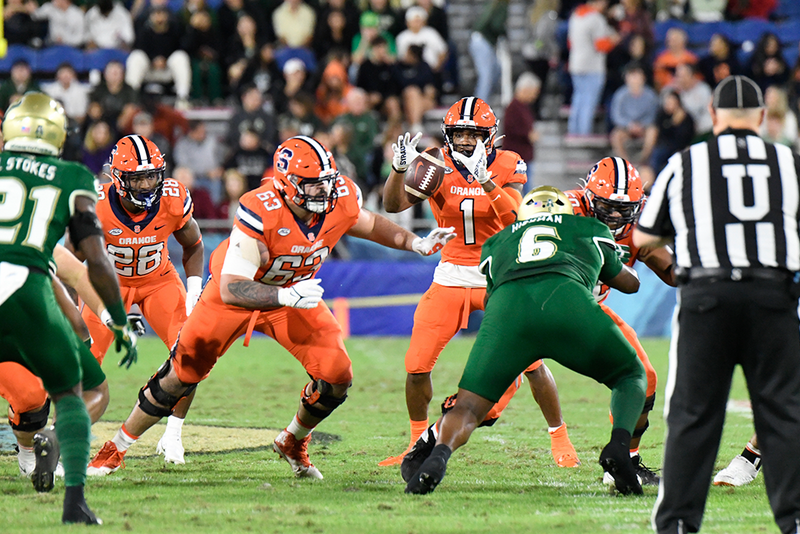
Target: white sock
25,454
174,426
123,440
297,429
551,429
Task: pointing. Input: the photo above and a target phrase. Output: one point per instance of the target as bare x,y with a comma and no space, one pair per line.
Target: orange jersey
137,244
295,250
461,202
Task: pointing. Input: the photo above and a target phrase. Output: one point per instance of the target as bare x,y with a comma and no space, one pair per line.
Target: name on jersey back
544,217
37,168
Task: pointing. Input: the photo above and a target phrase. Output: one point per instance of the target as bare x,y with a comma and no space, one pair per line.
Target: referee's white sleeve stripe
791,197
702,206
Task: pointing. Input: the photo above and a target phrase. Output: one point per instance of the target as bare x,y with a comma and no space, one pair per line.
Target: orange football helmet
300,165
135,158
470,113
614,194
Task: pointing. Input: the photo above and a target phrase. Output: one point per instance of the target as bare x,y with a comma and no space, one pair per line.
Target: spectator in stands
109,25
794,85
376,76
434,48
720,62
437,18
519,124
490,26
636,51
229,13
64,21
673,130
332,91
242,47
140,11
203,155
591,38
362,42
780,123
633,19
633,110
541,48
235,185
19,82
204,208
159,55
19,26
73,94
390,19
695,95
263,72
332,35
750,9
293,22
252,115
418,87
143,124
707,10
300,118
675,54
767,65
295,80
98,143
347,8
338,140
249,158
202,43
113,100
365,129
167,121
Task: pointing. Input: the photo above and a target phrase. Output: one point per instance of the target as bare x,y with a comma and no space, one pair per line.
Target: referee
731,205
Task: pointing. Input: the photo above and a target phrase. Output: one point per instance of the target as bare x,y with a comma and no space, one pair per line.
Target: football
424,175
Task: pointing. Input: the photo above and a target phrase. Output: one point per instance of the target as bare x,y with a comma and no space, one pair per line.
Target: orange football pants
22,389
163,304
313,337
443,311
630,335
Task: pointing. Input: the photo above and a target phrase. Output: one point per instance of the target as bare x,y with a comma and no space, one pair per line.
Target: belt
713,274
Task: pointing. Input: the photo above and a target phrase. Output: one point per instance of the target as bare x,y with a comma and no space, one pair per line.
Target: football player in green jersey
40,197
540,272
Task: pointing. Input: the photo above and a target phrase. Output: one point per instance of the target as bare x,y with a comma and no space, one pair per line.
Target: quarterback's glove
194,286
137,324
405,150
433,242
476,163
305,294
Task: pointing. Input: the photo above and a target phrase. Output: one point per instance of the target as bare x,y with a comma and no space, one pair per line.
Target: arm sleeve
612,265
505,202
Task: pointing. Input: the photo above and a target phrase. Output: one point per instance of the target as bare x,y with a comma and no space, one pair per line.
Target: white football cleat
739,472
295,452
171,446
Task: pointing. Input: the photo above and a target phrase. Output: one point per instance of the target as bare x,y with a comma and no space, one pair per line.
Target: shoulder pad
349,199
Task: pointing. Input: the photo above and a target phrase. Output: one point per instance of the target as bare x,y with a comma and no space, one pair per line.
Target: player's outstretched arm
659,261
626,281
381,230
394,192
190,238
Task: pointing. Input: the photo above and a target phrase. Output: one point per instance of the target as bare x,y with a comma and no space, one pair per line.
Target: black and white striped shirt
730,202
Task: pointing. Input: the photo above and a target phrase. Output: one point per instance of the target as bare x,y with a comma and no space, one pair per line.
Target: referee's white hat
738,92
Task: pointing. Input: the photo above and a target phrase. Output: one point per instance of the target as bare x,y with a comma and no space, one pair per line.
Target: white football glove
405,150
194,286
476,163
433,242
137,324
305,294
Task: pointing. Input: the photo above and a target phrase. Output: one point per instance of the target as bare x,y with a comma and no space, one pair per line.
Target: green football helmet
544,199
35,123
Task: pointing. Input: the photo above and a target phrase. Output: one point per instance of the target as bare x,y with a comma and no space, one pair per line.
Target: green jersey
581,248
37,199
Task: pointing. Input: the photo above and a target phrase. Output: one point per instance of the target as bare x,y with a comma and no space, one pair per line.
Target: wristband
194,284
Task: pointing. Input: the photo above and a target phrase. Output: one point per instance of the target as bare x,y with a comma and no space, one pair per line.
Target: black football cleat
616,461
418,454
47,451
647,476
428,477
80,514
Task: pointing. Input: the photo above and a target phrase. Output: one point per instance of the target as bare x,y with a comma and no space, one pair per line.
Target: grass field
504,480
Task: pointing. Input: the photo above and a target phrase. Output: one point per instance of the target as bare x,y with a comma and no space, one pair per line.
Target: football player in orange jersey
479,196
139,210
262,279
29,406
614,194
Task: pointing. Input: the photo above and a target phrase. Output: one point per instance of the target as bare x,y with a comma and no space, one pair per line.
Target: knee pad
649,403
33,420
637,432
160,396
320,402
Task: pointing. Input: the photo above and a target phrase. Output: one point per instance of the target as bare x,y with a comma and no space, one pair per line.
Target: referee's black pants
720,324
